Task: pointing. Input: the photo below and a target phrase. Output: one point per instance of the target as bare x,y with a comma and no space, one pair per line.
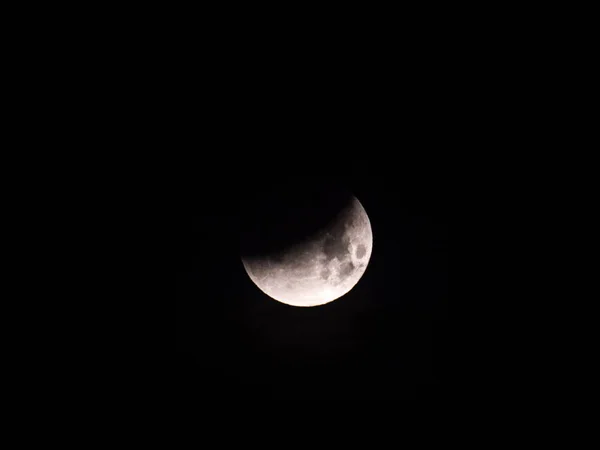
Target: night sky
383,341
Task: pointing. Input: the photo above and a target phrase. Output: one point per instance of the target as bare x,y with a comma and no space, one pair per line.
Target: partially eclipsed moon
323,267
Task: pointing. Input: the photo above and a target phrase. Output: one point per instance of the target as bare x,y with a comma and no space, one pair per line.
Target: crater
325,273
361,251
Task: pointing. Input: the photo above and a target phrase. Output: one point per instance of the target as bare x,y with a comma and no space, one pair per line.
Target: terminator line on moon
322,268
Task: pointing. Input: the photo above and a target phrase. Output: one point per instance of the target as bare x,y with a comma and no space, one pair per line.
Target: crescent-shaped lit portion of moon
323,268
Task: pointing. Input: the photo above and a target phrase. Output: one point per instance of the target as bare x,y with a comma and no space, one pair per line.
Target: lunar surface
321,267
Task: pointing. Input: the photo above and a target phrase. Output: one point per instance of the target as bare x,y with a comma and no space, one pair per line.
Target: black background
382,343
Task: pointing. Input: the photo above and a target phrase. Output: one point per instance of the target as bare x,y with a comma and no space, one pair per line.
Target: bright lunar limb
321,269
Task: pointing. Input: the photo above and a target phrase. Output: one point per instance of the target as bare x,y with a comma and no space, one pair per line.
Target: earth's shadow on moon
279,216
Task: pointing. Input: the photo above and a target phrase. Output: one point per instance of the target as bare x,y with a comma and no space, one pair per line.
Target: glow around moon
321,269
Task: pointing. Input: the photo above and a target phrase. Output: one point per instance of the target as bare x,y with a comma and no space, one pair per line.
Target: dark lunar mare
361,251
346,269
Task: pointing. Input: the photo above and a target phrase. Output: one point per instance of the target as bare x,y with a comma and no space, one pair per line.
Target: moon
321,266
